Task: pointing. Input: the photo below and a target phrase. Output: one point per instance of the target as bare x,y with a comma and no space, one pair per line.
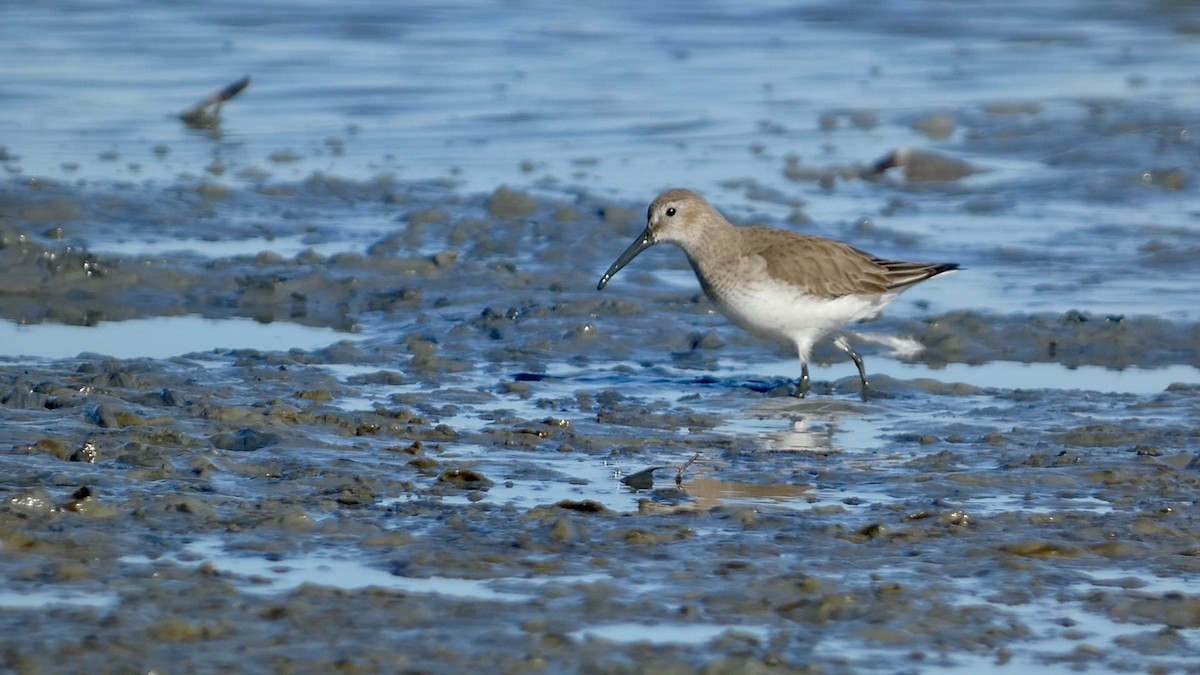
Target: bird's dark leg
862,372
805,382
844,345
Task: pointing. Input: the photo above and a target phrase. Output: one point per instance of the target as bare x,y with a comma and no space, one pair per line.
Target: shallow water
157,338
327,383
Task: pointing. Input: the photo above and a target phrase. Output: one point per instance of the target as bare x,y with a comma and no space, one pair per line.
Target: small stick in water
198,115
679,476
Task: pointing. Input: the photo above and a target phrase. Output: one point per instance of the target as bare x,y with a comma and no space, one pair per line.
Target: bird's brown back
830,269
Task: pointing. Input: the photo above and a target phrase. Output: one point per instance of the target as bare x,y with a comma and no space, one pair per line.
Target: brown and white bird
775,284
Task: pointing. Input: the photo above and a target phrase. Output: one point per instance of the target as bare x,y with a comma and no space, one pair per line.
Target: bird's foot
805,383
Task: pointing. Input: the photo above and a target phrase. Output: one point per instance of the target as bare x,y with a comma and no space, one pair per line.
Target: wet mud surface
441,487
416,438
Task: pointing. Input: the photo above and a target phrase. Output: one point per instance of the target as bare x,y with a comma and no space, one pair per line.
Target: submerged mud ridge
440,263
441,490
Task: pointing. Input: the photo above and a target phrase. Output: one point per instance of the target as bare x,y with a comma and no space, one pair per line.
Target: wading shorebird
775,284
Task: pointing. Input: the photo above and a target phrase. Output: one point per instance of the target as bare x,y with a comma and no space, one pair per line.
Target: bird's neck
713,248
713,256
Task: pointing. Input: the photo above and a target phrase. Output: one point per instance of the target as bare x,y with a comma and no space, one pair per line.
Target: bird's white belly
784,312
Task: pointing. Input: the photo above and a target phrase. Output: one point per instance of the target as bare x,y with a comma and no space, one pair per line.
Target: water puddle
810,434
575,479
367,395
711,492
159,337
50,597
956,663
997,504
1062,627
1136,580
527,494
665,633
860,497
261,575
998,374
802,436
1009,375
813,426
286,247
1065,636
994,374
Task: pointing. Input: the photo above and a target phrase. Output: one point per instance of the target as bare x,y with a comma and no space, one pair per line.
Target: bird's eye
671,212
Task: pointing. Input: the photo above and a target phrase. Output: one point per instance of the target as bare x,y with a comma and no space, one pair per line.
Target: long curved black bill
640,244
